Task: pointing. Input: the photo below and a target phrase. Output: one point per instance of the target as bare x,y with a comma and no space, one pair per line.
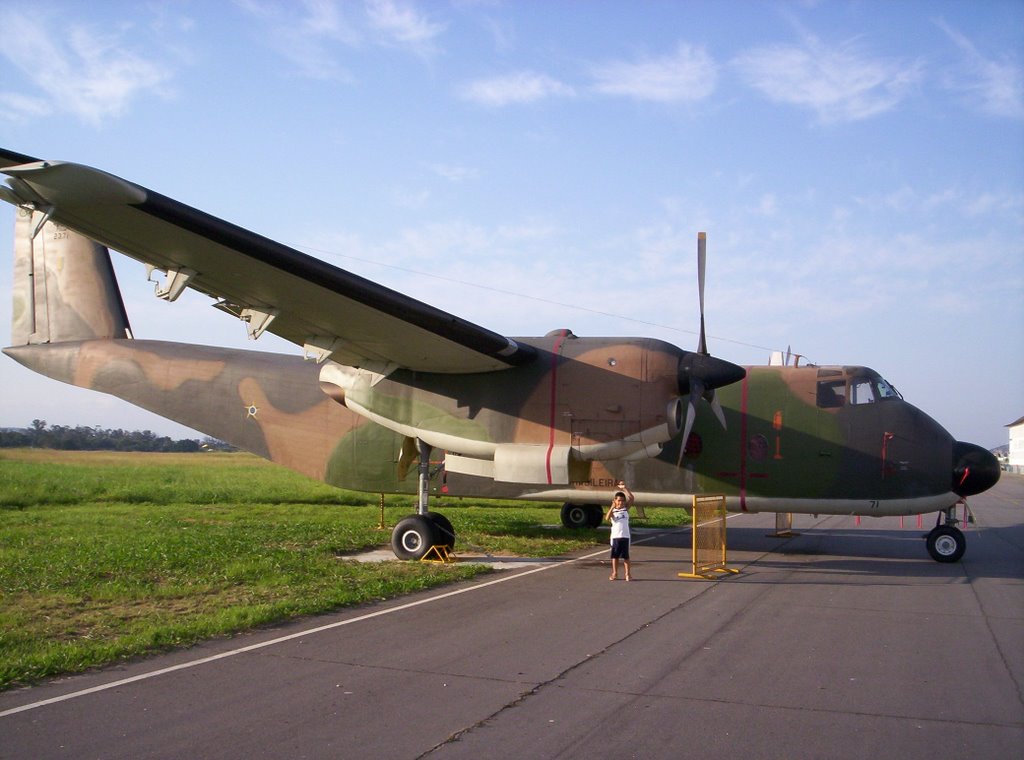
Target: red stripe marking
967,471
554,393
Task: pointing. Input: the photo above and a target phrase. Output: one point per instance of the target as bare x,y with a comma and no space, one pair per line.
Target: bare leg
625,563
615,570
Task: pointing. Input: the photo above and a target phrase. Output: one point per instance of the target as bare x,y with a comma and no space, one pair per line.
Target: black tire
594,515
575,516
444,533
413,537
946,543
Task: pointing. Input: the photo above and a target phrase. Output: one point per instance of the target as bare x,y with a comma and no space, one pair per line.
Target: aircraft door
607,413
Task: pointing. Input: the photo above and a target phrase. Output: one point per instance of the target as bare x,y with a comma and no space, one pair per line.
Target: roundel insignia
694,446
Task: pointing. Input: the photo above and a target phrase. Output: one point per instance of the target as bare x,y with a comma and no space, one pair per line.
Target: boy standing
618,515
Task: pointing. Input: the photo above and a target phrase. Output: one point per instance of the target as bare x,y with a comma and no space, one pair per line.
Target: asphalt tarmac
846,641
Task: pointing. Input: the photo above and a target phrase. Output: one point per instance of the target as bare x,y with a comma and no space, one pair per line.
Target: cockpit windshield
885,390
853,386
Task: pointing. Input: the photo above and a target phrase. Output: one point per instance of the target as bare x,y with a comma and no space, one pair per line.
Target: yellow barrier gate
708,537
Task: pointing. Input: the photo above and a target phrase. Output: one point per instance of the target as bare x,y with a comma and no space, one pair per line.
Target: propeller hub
707,372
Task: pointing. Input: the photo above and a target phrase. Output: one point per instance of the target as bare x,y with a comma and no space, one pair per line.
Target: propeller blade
696,391
700,373
716,407
702,344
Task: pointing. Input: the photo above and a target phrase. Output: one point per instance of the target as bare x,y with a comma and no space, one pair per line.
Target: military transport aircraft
392,395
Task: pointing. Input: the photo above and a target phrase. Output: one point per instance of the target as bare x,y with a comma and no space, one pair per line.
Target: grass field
105,556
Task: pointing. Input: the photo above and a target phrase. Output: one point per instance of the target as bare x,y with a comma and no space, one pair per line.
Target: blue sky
858,167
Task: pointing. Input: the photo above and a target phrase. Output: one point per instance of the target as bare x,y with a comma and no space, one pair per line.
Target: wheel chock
438,553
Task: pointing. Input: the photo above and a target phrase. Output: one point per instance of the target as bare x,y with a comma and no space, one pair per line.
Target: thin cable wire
526,296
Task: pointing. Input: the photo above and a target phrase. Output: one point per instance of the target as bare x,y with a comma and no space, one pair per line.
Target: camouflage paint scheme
554,418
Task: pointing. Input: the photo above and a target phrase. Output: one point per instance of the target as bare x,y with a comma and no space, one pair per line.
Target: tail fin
64,286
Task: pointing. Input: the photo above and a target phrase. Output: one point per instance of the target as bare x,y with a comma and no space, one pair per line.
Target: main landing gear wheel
946,543
413,537
578,516
574,515
415,534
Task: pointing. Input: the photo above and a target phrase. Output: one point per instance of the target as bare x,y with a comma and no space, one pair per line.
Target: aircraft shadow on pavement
991,552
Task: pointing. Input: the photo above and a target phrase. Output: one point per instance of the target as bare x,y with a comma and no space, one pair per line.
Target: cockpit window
869,389
887,391
831,393
862,391
855,386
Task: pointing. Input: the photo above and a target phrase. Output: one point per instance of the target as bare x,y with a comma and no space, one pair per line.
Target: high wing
327,310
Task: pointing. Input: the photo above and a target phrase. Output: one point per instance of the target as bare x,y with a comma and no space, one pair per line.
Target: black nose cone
974,469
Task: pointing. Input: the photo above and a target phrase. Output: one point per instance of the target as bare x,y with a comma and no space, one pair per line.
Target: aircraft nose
974,469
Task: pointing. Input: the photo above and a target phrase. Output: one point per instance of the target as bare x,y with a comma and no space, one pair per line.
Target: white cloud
454,173
519,87
688,75
768,205
16,107
837,83
401,23
93,75
989,203
410,199
939,199
323,19
503,34
905,202
997,87
314,34
306,37
901,199
317,18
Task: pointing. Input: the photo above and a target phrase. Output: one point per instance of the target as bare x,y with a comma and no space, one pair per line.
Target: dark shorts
620,548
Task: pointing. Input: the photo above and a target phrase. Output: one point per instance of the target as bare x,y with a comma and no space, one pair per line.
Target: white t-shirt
620,523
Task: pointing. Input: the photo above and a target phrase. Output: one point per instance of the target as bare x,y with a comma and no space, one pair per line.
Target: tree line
84,438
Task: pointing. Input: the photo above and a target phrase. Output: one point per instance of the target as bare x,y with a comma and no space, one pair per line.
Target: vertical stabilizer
64,286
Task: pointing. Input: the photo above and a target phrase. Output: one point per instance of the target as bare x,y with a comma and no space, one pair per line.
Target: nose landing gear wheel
946,544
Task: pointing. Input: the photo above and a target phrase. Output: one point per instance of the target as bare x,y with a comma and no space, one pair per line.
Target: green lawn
105,556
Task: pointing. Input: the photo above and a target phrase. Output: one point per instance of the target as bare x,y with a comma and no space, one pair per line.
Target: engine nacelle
469,452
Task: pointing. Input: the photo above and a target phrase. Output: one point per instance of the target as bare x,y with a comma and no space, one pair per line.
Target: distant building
1015,460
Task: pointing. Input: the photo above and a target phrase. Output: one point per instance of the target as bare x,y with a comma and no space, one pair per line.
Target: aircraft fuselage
798,439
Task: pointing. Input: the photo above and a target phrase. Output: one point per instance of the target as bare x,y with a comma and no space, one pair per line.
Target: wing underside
306,301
